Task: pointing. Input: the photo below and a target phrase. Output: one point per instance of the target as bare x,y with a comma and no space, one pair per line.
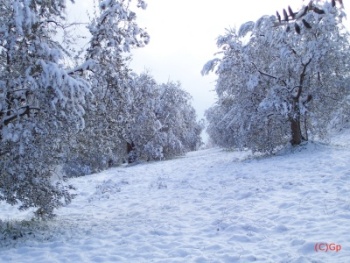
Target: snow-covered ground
209,206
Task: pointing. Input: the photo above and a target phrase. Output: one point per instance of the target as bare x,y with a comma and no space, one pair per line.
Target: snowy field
209,206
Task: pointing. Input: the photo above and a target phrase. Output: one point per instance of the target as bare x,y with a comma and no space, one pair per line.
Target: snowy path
210,206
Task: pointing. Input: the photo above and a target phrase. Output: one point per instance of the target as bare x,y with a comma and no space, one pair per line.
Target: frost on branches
281,79
120,122
163,122
39,103
84,118
114,32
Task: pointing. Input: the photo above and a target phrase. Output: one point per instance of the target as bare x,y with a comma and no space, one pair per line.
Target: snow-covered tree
114,32
163,121
178,119
40,105
144,124
281,78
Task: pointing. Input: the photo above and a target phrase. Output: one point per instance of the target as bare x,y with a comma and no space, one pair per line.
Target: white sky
183,37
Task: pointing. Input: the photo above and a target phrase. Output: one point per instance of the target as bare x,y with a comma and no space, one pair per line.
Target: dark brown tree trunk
295,122
295,126
130,147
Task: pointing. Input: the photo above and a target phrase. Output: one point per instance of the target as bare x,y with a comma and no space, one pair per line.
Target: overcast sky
183,37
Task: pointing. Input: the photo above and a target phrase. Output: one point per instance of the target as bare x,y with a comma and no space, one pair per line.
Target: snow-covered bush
76,167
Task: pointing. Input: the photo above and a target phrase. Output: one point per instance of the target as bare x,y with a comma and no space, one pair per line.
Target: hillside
209,206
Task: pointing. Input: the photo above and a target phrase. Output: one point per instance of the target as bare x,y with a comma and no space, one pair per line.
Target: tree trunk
297,137
295,122
130,147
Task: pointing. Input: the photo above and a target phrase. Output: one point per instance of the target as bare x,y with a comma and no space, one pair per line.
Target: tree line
82,111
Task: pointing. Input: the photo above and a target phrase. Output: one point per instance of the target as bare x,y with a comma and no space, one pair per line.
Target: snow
209,206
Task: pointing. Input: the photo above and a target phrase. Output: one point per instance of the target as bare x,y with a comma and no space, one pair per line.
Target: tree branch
301,80
268,75
26,111
263,73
